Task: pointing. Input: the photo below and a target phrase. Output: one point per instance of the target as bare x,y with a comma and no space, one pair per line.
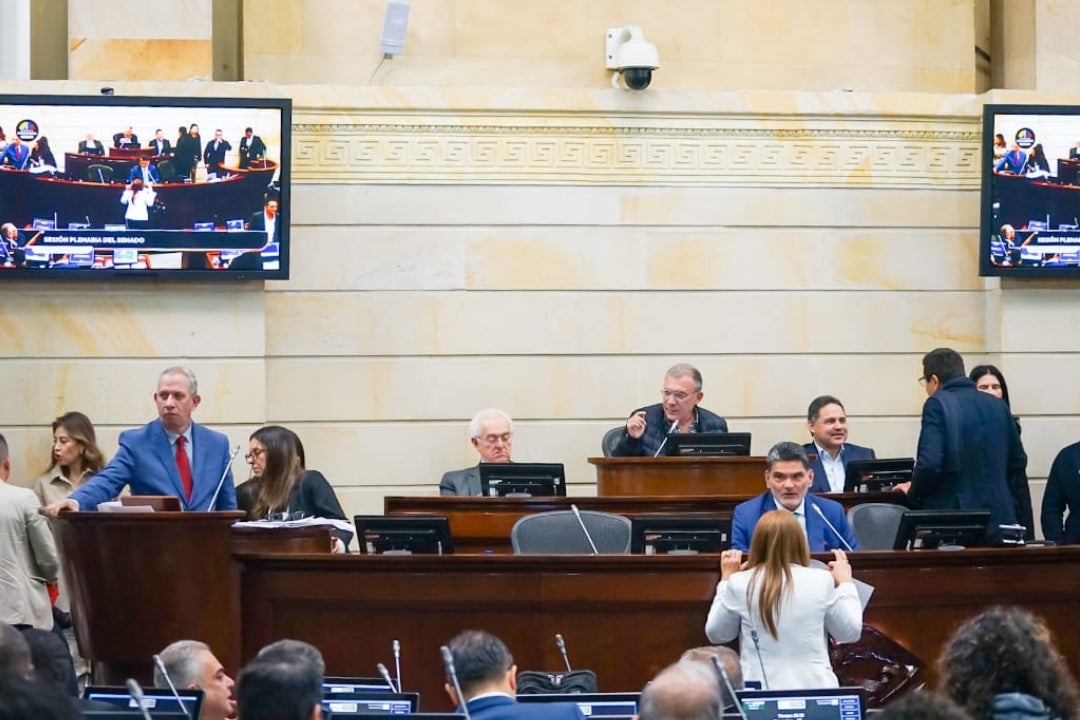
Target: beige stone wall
907,45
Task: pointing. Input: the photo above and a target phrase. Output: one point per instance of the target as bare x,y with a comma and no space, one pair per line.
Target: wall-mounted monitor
1030,224
162,187
708,443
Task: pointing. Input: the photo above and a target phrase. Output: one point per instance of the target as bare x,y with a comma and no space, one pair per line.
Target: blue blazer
146,462
136,172
821,538
851,452
18,155
501,707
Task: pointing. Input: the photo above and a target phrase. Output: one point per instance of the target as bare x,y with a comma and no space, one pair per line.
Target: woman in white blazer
781,609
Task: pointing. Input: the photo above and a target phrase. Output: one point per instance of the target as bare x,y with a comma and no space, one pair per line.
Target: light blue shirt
187,445
834,468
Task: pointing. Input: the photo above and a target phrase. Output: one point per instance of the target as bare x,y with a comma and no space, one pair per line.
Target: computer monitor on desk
605,705
371,703
404,534
845,703
877,475
706,444
158,700
522,479
679,534
942,529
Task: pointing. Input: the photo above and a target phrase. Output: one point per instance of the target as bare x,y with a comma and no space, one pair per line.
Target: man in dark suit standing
168,456
491,432
251,148
487,675
160,145
215,151
90,146
827,422
968,445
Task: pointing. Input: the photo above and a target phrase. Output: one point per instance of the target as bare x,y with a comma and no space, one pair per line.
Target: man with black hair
22,698
488,677
279,690
968,444
687,690
827,421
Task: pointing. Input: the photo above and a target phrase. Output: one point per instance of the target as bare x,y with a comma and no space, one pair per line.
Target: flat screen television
370,703
592,704
708,443
844,703
877,475
1030,210
204,211
522,480
157,700
404,534
930,529
679,534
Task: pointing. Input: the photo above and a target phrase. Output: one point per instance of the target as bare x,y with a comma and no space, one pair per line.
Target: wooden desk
481,525
625,617
624,476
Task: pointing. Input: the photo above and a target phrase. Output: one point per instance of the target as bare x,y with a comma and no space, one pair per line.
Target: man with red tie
16,154
169,456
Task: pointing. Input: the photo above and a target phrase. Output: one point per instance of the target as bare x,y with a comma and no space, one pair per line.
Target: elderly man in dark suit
491,432
827,422
90,146
680,412
214,154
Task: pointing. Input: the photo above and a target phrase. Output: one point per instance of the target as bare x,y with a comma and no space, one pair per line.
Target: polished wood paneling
679,475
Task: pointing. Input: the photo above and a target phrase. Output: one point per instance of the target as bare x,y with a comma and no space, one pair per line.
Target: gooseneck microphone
385,675
673,428
137,695
225,472
577,514
814,505
726,684
761,663
396,648
448,663
172,688
562,649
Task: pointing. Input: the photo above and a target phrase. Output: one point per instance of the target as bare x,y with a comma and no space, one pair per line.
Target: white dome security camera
629,54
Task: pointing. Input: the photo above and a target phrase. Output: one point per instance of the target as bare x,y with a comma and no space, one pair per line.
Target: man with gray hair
788,478
28,555
169,456
491,432
294,651
729,660
191,666
687,690
679,412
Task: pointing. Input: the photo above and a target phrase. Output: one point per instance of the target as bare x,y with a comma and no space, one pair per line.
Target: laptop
846,703
605,705
158,700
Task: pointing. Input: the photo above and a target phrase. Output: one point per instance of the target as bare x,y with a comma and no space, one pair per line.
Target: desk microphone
396,647
165,674
562,648
232,456
725,684
448,663
577,514
137,695
831,526
761,663
673,428
385,675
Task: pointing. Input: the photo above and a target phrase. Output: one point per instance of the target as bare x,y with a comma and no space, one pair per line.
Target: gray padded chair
558,532
611,439
875,524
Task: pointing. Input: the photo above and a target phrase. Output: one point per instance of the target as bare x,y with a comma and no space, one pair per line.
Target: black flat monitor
404,534
371,703
333,685
409,716
679,534
158,700
928,529
845,703
522,480
877,475
607,705
707,444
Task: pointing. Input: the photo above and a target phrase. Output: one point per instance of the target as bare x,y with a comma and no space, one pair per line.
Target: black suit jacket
251,151
214,155
96,149
1063,493
132,142
656,429
161,147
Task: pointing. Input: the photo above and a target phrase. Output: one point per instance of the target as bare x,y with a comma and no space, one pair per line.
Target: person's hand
60,506
336,546
903,487
635,425
730,563
840,568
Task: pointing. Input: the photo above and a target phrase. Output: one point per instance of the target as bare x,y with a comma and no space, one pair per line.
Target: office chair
611,439
99,173
558,532
875,524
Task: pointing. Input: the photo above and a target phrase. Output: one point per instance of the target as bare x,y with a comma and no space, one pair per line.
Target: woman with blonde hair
780,608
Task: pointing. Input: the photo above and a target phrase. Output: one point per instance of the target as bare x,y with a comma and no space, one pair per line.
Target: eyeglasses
679,395
494,439
252,455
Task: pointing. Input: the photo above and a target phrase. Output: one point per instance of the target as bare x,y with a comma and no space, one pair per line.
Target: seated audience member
488,678
1012,161
1037,165
827,422
190,665
1002,664
30,561
491,432
24,699
647,427
294,651
788,478
41,156
90,146
126,140
923,706
144,171
727,657
1060,516
15,657
687,690
52,661
279,690
794,606
280,487
169,456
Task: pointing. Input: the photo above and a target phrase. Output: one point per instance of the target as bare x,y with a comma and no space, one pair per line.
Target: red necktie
183,466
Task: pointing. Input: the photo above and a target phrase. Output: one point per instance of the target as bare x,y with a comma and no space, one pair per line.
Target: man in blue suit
827,422
144,171
16,154
788,478
488,678
169,456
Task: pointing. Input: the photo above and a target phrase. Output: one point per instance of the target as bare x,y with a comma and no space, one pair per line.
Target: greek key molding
918,157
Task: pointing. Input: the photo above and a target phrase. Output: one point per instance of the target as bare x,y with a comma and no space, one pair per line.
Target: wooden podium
140,581
634,476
